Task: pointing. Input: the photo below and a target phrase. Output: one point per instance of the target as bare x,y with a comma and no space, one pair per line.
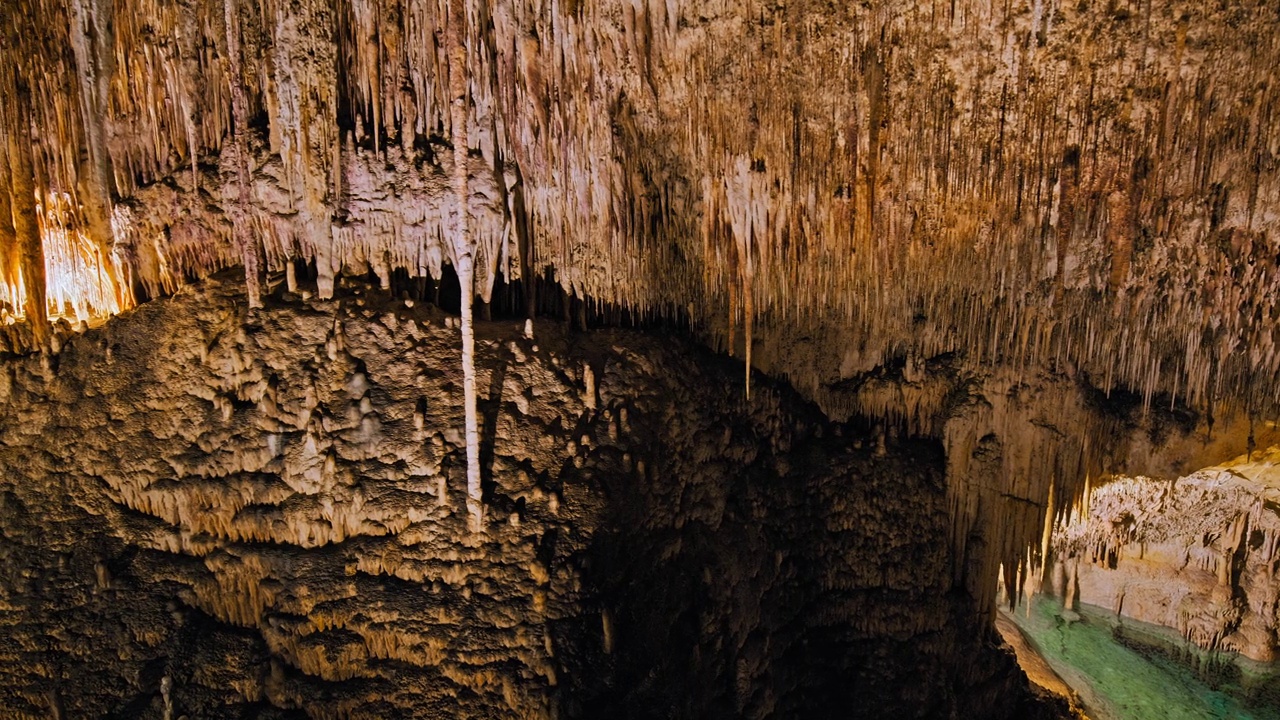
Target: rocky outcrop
1199,554
212,511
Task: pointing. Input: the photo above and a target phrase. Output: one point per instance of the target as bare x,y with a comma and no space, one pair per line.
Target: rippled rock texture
216,512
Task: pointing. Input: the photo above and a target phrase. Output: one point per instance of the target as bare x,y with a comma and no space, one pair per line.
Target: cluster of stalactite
1027,184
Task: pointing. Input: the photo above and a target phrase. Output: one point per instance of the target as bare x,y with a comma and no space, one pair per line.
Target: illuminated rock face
1199,554
1089,185
1087,190
960,220
263,514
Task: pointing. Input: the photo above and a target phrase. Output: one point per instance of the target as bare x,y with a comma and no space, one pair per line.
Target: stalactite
241,210
520,222
91,38
1067,181
1050,513
746,207
463,251
17,120
10,255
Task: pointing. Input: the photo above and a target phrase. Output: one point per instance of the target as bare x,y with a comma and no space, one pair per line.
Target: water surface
1135,671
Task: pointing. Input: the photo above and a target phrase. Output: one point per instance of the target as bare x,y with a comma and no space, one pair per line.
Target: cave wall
213,511
965,220
1198,554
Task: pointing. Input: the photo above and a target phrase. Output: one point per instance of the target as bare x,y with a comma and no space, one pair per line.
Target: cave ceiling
1090,189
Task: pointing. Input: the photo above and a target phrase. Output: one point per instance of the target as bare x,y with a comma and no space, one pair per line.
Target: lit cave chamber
639,359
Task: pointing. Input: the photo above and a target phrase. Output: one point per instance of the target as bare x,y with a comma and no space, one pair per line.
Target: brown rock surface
1039,195
213,511
962,221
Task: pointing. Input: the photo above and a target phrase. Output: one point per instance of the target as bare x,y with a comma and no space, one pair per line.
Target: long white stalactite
463,253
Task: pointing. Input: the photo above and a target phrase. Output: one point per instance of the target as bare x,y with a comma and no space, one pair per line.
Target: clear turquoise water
1136,671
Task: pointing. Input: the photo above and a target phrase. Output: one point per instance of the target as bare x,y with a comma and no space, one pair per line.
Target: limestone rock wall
210,511
1199,554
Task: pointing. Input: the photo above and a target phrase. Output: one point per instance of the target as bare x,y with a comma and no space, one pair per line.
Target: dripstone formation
1041,235
216,512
